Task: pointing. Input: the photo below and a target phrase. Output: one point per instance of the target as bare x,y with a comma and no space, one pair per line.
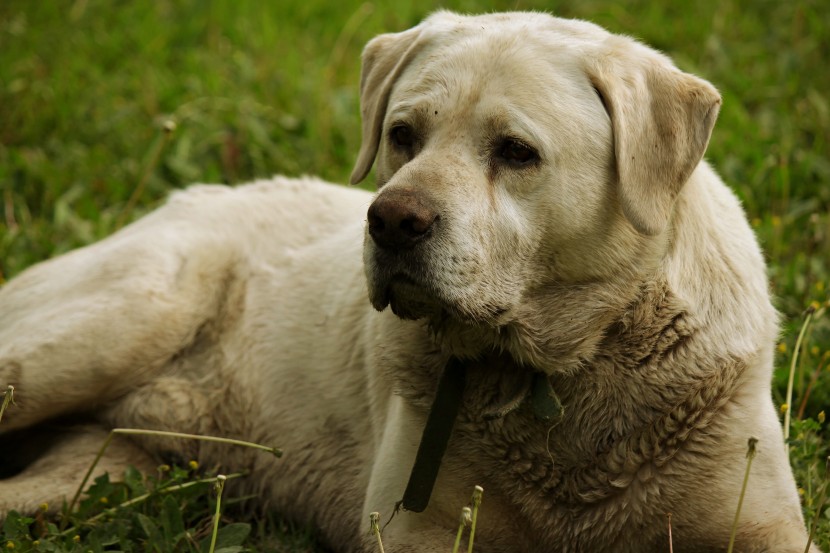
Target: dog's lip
387,293
402,278
409,298
399,281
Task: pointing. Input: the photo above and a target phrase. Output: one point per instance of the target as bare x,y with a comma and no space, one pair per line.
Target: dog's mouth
418,285
408,298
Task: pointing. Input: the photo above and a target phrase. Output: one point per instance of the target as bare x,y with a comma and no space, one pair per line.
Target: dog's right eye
516,153
402,136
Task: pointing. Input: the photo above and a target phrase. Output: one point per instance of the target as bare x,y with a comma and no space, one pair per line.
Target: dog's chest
602,470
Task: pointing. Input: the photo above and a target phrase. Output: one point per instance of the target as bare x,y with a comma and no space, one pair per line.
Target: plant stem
230,441
466,519
68,508
374,524
220,487
161,142
820,505
671,545
750,454
787,413
813,380
477,493
8,398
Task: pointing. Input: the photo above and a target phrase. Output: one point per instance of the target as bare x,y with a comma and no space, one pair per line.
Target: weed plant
105,109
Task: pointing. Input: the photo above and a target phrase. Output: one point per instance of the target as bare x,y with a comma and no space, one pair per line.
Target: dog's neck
557,328
626,413
632,398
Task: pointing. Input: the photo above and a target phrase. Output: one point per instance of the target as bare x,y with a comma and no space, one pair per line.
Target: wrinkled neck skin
553,332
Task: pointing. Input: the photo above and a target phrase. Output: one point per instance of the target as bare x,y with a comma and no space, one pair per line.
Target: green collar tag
436,436
543,400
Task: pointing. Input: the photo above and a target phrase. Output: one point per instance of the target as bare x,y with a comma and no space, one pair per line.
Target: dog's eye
516,153
402,136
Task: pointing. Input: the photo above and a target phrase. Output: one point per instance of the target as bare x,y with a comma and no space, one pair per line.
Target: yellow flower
44,507
801,491
820,286
164,468
9,545
821,417
104,500
76,538
193,465
776,221
784,408
782,347
815,350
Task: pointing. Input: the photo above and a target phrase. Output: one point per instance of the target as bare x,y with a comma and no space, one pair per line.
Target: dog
547,252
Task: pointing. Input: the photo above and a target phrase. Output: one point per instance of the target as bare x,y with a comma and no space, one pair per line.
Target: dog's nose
399,221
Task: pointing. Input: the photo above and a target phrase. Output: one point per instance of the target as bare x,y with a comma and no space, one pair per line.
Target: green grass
257,88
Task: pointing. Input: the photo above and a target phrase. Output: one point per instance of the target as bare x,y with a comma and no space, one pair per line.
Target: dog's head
518,151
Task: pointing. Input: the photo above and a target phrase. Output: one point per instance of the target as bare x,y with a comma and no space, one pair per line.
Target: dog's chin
406,298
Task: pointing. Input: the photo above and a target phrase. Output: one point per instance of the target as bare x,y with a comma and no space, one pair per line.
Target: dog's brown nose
398,221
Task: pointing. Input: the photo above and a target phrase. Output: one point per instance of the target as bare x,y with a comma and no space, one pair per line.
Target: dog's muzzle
401,225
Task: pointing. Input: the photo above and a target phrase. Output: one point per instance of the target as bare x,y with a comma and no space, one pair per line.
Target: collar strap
436,436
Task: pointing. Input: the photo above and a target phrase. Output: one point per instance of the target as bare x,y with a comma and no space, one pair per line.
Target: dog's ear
662,119
384,59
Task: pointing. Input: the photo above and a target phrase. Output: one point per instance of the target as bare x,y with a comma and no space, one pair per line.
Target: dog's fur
543,207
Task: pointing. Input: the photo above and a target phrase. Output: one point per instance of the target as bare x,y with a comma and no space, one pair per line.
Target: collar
534,388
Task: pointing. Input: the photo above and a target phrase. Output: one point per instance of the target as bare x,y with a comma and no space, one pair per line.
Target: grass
104,110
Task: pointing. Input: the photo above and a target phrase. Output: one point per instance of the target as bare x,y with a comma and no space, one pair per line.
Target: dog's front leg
405,531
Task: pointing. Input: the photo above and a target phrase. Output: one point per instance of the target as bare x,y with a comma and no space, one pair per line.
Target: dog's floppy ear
384,58
662,119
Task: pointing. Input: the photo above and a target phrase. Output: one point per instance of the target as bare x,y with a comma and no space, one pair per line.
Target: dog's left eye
402,136
516,153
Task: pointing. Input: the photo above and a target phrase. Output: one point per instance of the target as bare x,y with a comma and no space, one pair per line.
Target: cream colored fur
615,261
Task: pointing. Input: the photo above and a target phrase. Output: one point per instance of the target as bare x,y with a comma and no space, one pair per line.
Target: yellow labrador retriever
577,305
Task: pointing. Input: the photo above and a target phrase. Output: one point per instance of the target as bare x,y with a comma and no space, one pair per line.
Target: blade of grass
671,545
820,506
750,454
8,398
220,487
375,528
789,397
478,491
166,132
812,383
466,519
